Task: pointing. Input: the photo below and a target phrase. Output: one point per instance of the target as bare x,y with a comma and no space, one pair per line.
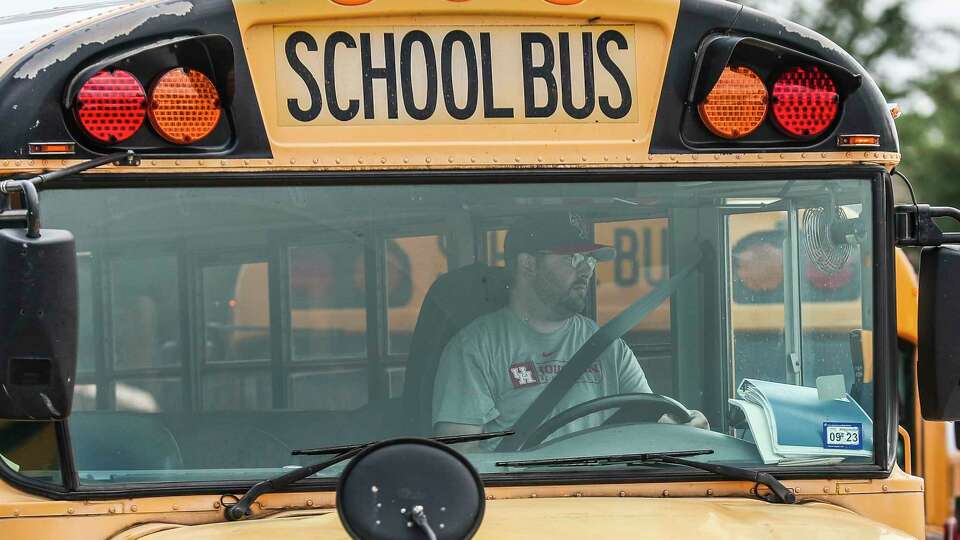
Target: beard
564,301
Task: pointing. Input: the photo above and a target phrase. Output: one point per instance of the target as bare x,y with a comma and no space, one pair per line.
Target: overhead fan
829,236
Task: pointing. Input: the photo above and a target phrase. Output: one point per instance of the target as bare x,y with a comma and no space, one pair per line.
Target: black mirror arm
31,201
915,226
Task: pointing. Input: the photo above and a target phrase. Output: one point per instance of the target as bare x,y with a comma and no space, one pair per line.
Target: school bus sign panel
449,74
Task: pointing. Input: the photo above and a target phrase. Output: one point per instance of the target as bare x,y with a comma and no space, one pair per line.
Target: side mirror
38,314
938,367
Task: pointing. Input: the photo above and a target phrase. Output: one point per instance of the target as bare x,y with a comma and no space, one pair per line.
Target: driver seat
454,300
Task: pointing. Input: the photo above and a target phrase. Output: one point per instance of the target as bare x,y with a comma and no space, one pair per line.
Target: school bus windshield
223,327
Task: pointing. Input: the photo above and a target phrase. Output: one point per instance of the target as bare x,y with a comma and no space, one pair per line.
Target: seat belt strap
588,353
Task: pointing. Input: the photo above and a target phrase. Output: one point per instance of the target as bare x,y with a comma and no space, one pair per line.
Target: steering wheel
635,407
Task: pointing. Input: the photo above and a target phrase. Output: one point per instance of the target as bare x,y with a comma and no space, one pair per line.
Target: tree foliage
888,36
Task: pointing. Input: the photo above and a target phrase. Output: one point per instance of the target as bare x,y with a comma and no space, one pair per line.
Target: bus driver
495,367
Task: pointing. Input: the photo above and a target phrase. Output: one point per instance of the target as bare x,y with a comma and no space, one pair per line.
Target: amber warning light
737,104
184,106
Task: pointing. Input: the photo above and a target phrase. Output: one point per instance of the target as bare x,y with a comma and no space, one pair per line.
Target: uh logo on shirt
532,373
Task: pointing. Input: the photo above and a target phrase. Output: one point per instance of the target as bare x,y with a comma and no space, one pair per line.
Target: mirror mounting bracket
915,225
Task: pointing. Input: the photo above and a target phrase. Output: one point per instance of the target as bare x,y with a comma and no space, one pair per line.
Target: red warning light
111,106
805,101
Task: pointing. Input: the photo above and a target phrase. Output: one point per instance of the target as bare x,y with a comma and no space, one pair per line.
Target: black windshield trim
884,343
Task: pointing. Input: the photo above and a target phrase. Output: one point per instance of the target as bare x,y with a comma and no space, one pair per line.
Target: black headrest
453,301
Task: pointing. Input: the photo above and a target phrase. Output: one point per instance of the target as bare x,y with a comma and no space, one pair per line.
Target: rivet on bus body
309,502
428,160
269,162
17,164
406,160
360,161
606,158
539,159
201,163
293,161
16,513
153,162
70,511
673,158
223,162
383,160
561,159
112,510
583,158
533,495
450,159
338,161
823,155
578,494
826,489
886,487
516,159
803,155
176,507
629,158
495,160
473,160
846,490
622,494
246,162
216,505
177,162
649,158
666,493
796,490
709,493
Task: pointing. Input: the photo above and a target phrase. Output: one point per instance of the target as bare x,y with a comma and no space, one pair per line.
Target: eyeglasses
576,259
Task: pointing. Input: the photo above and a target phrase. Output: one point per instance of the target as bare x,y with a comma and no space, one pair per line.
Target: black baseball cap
560,233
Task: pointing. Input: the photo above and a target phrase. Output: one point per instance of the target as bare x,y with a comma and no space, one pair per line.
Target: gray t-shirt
495,367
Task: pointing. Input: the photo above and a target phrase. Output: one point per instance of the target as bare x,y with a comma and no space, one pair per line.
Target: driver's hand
698,420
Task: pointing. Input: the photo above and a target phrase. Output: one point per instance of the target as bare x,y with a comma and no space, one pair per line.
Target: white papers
791,425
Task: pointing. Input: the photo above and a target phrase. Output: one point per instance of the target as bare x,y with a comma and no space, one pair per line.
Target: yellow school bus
268,221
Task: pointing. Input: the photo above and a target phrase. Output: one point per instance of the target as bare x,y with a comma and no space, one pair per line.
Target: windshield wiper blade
779,493
241,508
446,439
600,460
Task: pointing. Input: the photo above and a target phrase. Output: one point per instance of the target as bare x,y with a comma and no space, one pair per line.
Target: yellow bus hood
580,518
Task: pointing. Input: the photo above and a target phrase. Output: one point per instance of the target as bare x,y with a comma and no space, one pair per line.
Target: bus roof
640,115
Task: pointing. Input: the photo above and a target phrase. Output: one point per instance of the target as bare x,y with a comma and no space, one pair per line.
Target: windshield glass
223,327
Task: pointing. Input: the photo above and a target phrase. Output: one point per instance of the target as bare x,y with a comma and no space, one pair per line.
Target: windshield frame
884,336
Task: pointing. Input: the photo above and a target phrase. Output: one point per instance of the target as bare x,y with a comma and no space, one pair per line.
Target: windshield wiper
241,508
779,493
446,439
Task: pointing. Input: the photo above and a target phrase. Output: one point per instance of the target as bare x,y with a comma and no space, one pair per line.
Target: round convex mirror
410,489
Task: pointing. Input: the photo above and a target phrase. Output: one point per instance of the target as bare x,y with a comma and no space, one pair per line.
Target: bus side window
756,280
640,265
328,317
145,314
236,315
413,263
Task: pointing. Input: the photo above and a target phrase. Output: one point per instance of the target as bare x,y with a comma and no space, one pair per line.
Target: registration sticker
843,435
